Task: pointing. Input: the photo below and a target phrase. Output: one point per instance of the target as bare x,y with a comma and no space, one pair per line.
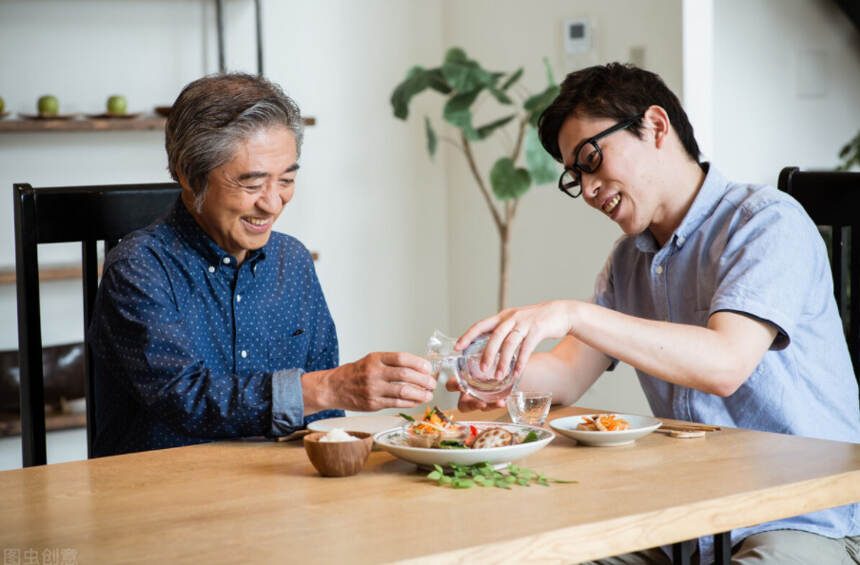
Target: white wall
558,244
786,85
367,198
407,244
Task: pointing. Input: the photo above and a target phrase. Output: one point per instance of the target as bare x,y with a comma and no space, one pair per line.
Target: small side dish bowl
639,426
338,458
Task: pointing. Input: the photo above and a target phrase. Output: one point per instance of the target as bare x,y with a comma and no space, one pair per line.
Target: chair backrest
86,214
832,200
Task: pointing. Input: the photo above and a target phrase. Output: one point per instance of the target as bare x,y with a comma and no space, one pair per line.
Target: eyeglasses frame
578,168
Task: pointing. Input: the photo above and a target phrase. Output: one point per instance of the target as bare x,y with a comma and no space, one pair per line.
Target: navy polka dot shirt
190,347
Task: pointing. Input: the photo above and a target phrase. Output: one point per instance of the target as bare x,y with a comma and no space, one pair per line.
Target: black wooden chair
832,200
88,214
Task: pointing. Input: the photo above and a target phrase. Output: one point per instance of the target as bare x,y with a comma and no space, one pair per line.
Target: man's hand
467,402
522,328
379,380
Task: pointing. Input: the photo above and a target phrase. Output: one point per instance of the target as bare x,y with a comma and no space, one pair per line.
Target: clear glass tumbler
527,407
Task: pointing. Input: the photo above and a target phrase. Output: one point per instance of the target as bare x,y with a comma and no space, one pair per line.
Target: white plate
639,426
393,442
370,423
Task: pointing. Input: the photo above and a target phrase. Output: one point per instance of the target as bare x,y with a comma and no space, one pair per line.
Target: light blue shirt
752,250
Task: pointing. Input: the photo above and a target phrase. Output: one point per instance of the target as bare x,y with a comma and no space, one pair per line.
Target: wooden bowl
338,458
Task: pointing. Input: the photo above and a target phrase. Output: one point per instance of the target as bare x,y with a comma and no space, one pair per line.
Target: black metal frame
578,168
832,199
219,22
682,551
87,214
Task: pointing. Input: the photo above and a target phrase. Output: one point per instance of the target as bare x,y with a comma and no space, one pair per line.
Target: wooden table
264,502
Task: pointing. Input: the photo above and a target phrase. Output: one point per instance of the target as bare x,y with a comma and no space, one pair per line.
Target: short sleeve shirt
752,250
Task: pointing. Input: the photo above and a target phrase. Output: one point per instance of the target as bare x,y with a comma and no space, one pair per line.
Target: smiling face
246,195
621,187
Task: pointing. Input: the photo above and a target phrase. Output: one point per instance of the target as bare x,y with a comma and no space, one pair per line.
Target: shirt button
244,354
211,269
659,269
226,260
238,298
681,241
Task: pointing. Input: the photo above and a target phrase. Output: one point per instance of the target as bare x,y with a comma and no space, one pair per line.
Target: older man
207,323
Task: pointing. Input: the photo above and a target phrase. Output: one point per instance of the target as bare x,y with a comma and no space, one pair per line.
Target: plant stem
520,135
470,158
451,141
504,235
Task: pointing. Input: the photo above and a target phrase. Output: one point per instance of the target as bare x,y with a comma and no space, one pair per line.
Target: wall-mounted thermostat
577,36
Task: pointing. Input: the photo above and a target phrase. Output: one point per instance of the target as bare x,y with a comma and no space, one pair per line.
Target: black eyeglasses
588,159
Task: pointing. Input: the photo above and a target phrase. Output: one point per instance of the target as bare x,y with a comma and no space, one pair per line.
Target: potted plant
463,82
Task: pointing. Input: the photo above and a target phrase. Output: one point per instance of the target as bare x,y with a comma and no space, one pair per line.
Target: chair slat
833,199
86,214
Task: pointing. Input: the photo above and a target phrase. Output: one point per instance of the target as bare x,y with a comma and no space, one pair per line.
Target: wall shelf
150,123
67,272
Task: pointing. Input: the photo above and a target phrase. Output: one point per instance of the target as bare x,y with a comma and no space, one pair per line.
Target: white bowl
394,442
639,426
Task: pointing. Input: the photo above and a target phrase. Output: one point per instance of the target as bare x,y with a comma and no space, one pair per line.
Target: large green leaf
437,82
455,54
500,95
507,181
458,112
512,79
466,76
540,164
536,104
416,81
431,137
485,130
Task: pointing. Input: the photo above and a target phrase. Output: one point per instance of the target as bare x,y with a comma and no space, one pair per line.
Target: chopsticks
688,427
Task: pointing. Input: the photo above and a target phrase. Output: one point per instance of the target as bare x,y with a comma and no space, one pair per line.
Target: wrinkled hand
467,402
382,380
522,328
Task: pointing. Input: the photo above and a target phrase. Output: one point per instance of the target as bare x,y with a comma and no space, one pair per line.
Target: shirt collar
190,231
706,200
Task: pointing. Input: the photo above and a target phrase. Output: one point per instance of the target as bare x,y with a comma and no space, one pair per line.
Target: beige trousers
779,547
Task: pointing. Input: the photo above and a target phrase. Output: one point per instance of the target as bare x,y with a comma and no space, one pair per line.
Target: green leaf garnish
407,416
530,437
484,475
451,444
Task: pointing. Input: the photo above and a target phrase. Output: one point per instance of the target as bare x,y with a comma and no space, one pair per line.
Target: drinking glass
465,366
527,407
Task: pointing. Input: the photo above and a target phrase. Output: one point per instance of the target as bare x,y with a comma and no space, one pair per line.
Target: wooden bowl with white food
338,456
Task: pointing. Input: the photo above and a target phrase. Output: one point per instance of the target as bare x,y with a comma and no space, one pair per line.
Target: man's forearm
716,359
567,371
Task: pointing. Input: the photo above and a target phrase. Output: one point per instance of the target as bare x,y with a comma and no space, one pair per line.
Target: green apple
48,105
116,104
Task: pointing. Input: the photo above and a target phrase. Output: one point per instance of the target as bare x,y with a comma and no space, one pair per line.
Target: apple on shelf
48,105
116,105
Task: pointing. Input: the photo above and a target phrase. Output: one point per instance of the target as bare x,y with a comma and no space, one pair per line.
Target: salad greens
484,475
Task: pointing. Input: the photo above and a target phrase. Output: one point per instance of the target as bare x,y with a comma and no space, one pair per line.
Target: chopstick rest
682,434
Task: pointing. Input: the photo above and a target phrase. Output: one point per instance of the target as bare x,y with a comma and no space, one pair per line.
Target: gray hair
213,114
